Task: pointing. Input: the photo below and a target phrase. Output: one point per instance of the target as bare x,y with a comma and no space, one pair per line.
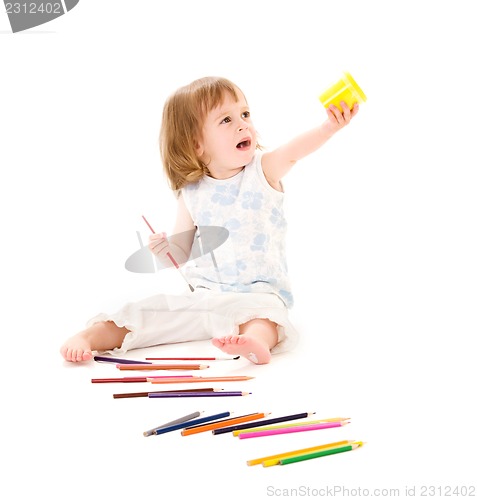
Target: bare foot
77,348
252,348
102,336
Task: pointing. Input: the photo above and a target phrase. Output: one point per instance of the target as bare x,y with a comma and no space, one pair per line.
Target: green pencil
317,454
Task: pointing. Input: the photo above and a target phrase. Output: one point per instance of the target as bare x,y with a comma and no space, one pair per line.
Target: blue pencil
170,428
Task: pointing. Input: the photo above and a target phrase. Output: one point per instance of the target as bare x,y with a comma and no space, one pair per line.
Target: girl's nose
242,126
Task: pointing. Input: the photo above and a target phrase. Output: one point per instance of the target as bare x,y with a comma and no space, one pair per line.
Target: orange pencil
186,380
217,425
130,366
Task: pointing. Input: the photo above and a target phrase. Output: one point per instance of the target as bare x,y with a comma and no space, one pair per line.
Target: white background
382,242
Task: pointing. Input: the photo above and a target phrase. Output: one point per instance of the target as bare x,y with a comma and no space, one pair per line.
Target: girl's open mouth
244,144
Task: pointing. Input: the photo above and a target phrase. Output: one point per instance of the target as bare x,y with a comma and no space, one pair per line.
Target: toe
87,355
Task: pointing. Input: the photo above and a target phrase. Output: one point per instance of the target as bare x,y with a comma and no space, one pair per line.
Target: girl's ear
199,148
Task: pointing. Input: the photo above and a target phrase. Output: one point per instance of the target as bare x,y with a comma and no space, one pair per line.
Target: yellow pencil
295,424
275,459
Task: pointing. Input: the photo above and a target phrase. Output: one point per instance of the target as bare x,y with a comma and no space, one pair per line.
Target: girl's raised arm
277,163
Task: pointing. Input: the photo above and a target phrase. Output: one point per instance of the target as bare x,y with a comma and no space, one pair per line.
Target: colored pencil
146,394
197,379
193,359
289,430
221,420
201,420
203,428
180,420
171,258
317,454
263,422
274,459
119,379
123,361
286,425
161,367
139,379
196,394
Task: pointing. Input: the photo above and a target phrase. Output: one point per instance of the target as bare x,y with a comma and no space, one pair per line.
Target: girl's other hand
339,119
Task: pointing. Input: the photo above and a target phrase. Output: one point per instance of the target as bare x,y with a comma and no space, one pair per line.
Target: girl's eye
246,114
227,119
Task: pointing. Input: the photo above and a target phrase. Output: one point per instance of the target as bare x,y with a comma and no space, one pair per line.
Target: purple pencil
196,394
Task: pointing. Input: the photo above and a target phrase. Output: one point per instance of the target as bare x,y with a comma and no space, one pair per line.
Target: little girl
222,178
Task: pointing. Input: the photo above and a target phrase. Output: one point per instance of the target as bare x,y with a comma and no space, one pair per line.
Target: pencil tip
236,357
191,288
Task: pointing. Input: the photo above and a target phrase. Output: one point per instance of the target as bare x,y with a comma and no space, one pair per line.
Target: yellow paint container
345,89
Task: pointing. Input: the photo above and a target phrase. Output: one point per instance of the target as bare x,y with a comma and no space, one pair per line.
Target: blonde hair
182,121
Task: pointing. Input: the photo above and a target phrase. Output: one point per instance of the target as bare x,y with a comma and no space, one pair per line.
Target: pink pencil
288,430
171,258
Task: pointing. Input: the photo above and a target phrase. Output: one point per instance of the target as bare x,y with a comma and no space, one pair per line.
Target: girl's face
229,138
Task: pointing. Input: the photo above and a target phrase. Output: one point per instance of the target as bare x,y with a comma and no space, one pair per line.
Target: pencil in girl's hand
171,258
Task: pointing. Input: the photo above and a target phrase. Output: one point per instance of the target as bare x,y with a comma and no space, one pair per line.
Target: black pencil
276,420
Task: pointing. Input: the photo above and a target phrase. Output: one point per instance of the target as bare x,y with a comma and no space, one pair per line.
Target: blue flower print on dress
258,244
232,226
225,195
204,218
252,200
234,269
276,218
